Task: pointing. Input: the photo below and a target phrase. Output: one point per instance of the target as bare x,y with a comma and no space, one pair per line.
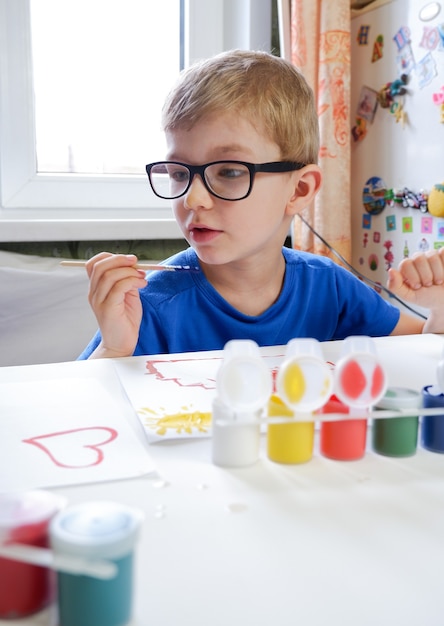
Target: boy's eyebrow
221,150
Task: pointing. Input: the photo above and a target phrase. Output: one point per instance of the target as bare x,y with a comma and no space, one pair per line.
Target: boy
242,141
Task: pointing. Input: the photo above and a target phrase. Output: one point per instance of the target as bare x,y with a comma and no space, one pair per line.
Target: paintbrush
141,266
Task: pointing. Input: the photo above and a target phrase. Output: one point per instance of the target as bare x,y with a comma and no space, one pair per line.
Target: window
98,192
96,110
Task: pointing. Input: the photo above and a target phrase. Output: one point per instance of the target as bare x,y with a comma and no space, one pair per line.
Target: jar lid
24,516
304,380
243,381
400,398
360,379
96,529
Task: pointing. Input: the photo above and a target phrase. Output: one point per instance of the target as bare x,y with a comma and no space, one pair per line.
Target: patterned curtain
320,48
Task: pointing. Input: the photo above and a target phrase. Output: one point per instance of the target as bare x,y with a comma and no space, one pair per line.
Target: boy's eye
228,170
179,176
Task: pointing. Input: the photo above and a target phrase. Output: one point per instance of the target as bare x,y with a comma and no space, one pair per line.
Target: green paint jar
397,436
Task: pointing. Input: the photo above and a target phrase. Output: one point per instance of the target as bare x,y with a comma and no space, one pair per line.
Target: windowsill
24,227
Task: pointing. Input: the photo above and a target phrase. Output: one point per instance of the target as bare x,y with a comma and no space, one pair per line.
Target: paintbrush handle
140,266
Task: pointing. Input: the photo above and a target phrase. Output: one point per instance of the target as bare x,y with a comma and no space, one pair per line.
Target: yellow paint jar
288,443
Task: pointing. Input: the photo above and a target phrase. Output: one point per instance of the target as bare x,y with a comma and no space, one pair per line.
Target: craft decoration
426,70
374,195
389,257
378,47
429,11
365,113
430,38
362,37
438,98
388,92
359,130
436,200
402,37
406,198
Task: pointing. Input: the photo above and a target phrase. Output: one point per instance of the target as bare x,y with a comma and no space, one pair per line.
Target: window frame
58,207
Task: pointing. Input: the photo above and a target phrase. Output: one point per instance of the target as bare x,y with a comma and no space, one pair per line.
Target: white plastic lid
304,380
96,529
243,381
360,380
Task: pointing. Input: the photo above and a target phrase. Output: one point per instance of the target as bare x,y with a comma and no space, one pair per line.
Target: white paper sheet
67,423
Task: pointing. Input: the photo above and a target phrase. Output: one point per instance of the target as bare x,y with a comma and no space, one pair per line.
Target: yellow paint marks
294,383
183,422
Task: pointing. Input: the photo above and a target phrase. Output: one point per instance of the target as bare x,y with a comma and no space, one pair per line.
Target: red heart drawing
71,443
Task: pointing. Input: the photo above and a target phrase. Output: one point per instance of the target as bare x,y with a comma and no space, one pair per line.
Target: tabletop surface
325,542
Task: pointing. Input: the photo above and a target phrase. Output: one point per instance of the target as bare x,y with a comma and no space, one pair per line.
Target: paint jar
342,440
235,443
290,442
432,426
304,383
360,382
397,436
24,519
96,530
244,384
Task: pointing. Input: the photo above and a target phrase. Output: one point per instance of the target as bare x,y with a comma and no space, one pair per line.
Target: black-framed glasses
227,180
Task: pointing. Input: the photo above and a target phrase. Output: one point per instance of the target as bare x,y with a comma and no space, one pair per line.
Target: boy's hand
114,298
420,280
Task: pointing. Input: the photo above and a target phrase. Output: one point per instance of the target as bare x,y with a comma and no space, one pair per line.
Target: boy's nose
197,194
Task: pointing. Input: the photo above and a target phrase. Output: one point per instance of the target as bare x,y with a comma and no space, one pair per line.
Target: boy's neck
251,288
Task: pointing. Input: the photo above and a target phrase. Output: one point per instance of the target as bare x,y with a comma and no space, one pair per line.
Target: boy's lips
201,234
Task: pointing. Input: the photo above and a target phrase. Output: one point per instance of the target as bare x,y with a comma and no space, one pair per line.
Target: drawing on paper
82,452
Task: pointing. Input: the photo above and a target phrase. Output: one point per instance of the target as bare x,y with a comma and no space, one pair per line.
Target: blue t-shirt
182,312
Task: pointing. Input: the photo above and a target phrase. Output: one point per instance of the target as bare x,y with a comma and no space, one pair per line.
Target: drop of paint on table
160,511
237,507
160,484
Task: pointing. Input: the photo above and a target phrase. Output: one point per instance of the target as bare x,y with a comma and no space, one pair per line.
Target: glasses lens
169,180
228,180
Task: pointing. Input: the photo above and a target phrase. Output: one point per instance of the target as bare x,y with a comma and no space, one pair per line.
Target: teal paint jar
397,436
96,531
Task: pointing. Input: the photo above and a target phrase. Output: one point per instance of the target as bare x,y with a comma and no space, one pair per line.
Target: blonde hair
265,89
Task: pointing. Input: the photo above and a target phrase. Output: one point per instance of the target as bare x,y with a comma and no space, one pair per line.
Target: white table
325,543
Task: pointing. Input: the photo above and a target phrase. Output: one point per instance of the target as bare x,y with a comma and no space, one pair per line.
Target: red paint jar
24,518
342,440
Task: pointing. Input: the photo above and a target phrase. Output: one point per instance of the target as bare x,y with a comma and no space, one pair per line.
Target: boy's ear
307,184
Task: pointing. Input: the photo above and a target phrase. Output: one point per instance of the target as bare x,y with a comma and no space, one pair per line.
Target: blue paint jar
96,531
432,426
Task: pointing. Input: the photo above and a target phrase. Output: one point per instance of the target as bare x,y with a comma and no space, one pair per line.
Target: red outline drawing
113,434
